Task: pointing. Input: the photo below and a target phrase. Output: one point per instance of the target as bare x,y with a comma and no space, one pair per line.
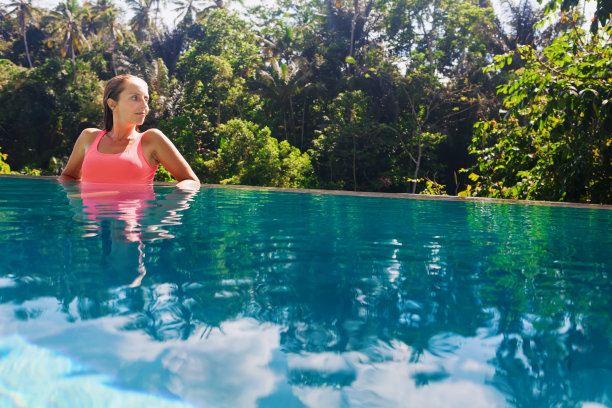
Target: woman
119,154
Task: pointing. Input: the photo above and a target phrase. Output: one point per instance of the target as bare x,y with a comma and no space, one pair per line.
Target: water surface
244,298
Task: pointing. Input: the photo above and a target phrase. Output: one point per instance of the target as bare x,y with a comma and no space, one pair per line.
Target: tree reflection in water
127,219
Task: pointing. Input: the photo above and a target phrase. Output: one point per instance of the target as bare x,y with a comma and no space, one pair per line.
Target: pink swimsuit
128,167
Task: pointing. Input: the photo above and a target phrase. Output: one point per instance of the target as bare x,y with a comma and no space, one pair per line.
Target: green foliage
188,131
554,141
451,36
43,110
4,167
224,34
165,93
31,172
211,86
249,155
382,94
67,31
432,187
164,175
214,72
603,10
353,151
417,131
8,71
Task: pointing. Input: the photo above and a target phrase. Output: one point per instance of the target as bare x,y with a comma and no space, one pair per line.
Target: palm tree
282,82
357,19
285,76
215,4
24,10
158,5
187,9
141,22
4,33
109,31
66,28
523,17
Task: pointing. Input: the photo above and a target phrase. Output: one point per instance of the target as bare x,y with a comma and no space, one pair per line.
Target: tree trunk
25,41
353,24
354,165
113,65
285,124
292,123
73,58
303,121
113,47
418,165
427,35
23,31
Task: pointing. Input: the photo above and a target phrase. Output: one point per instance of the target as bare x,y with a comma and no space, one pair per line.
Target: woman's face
132,105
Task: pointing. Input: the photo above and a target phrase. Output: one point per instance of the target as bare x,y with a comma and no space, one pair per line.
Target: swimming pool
247,298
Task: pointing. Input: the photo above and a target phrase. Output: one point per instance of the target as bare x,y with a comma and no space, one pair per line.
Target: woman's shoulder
86,138
89,134
154,136
153,133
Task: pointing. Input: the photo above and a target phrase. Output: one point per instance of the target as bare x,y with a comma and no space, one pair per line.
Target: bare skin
129,111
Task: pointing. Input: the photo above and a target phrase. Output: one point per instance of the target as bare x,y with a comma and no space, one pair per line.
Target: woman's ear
112,104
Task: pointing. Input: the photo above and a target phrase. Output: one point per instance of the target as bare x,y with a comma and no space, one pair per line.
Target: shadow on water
309,300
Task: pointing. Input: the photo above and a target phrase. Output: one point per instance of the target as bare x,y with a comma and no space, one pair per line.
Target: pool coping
370,194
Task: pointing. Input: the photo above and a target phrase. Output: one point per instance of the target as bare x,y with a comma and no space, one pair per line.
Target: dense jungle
432,97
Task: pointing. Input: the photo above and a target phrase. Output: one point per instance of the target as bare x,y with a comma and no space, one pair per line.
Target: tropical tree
603,10
351,23
353,150
106,16
187,9
249,155
416,129
441,47
213,73
281,82
158,4
49,94
553,142
6,33
141,22
66,28
216,4
170,45
216,68
24,11
523,17
288,81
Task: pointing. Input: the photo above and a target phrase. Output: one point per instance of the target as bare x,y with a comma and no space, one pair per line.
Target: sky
169,15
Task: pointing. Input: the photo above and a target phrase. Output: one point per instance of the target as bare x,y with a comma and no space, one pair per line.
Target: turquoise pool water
243,298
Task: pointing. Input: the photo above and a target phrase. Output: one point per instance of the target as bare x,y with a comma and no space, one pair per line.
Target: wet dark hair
112,90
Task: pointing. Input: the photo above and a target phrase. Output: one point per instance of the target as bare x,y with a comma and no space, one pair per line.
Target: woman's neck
121,132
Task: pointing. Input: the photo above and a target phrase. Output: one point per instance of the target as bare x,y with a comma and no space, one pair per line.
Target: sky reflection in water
247,298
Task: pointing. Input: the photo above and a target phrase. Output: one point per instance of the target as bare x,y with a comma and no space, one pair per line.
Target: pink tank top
128,167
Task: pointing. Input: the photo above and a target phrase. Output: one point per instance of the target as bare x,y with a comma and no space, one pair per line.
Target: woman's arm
72,171
165,153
